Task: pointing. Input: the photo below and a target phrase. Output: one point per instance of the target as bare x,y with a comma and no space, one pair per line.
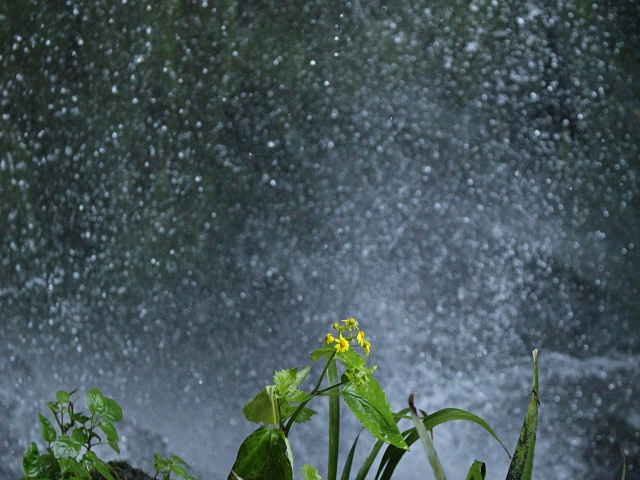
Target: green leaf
320,352
351,359
285,379
63,396
30,460
48,432
346,470
393,455
69,465
110,430
80,418
179,461
521,467
477,471
95,401
65,447
261,409
369,404
112,410
304,415
178,470
114,446
310,473
264,455
103,469
160,462
427,443
79,436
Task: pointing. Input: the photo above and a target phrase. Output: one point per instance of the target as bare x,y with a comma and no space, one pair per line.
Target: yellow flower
350,323
329,339
342,345
367,347
360,338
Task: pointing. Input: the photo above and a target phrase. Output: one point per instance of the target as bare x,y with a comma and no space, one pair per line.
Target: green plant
70,453
167,466
266,453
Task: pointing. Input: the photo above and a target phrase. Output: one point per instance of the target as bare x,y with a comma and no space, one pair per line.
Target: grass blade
427,443
521,467
346,470
477,471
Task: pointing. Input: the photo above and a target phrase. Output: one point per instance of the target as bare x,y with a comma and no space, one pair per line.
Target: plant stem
313,393
334,420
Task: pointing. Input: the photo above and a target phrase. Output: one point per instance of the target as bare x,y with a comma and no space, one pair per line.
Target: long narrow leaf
393,455
364,469
521,467
334,422
346,470
427,443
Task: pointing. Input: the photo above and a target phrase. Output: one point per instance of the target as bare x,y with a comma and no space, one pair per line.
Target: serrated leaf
95,401
30,460
351,359
48,432
260,409
521,467
264,455
295,395
320,352
370,406
63,396
65,447
304,415
284,379
310,473
477,471
112,410
110,430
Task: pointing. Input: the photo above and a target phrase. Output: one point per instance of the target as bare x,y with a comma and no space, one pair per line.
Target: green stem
313,393
334,421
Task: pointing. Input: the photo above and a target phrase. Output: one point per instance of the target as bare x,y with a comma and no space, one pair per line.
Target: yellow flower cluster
341,344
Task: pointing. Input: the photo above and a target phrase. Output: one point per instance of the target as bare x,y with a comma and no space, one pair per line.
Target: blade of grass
364,469
393,455
521,467
346,470
427,443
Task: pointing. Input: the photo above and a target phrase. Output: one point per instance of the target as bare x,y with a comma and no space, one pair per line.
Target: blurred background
191,192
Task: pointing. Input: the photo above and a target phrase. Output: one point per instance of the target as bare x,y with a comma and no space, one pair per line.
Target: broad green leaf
427,443
521,467
179,461
79,436
320,352
112,410
346,470
477,471
351,359
304,415
30,460
261,408
48,432
178,470
369,404
287,381
95,401
110,430
114,446
310,473
69,465
103,469
264,455
65,447
63,396
160,463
